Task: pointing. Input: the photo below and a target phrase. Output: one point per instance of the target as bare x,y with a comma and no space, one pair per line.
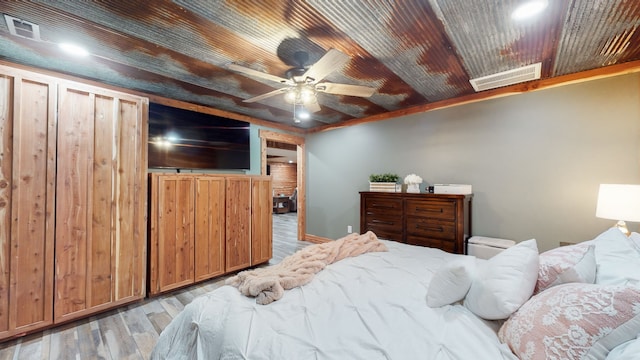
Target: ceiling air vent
505,78
22,28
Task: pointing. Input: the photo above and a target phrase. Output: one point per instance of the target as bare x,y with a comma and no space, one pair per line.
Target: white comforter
369,307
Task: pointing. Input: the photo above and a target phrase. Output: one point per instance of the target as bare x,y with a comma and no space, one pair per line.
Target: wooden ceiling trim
604,72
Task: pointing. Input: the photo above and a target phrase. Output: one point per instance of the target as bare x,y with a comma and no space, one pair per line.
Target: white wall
535,160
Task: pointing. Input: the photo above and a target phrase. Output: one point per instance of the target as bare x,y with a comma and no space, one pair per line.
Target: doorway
267,136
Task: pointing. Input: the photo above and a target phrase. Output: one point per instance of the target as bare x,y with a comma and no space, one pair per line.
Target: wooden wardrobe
206,225
72,200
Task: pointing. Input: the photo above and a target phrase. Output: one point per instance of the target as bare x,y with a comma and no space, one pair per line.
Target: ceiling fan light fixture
290,96
306,94
301,113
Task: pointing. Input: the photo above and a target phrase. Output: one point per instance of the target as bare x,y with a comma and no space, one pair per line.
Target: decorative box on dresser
440,221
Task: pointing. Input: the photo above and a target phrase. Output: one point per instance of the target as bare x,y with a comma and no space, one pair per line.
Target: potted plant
383,182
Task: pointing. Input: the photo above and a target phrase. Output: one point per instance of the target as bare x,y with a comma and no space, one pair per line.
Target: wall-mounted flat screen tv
184,139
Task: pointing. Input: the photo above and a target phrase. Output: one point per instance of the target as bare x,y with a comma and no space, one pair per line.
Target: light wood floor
131,331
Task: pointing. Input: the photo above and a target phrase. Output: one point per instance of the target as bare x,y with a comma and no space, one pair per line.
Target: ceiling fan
303,82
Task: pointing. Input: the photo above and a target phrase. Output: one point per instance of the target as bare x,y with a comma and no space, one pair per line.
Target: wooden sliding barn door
100,206
27,178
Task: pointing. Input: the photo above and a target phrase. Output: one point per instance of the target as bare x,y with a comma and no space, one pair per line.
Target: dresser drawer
431,228
436,209
383,206
446,245
384,227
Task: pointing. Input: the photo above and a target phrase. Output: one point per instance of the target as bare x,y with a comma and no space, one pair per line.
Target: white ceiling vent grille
22,28
509,77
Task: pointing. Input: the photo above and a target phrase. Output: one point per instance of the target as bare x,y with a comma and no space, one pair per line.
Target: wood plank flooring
131,332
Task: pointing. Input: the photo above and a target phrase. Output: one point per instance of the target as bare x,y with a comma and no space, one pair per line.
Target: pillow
504,282
635,240
618,261
574,263
451,282
573,321
626,351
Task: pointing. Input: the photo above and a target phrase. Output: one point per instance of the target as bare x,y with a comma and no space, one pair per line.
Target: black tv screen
184,139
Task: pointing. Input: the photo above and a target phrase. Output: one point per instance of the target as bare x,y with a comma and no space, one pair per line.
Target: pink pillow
574,263
573,321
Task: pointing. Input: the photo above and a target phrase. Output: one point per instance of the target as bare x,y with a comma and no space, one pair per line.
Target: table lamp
619,202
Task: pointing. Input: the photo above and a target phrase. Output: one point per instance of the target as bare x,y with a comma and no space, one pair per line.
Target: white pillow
618,261
504,282
635,240
451,282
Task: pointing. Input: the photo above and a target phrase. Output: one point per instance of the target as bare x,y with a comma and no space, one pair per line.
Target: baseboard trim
316,239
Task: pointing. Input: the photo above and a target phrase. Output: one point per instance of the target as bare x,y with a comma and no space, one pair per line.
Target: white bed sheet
369,307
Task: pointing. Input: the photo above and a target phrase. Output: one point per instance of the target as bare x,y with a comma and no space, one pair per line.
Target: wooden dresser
441,221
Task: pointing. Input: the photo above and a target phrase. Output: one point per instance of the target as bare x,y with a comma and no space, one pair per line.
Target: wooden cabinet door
172,232
261,220
27,167
209,227
238,223
100,207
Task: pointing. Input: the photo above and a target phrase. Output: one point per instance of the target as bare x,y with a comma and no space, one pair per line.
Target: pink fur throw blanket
268,284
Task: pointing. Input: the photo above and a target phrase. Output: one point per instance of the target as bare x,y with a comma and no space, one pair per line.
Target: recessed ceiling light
74,49
529,9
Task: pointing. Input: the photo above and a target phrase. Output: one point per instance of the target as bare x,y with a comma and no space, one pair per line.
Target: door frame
266,135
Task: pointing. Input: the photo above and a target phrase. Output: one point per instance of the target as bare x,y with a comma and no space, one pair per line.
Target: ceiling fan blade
345,89
264,96
258,74
312,106
331,61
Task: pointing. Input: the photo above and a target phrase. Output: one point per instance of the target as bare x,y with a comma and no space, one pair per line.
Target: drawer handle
382,206
441,210
382,222
431,228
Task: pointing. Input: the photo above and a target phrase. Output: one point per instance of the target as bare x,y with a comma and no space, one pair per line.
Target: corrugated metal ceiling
412,52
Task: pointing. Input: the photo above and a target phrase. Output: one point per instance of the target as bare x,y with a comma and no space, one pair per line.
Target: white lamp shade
619,202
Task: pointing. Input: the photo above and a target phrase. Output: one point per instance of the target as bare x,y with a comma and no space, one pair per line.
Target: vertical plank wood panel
167,230
99,252
73,212
154,233
185,243
31,234
176,229
6,153
261,220
141,199
209,231
238,223
128,250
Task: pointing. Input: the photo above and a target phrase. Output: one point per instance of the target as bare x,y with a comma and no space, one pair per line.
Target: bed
380,305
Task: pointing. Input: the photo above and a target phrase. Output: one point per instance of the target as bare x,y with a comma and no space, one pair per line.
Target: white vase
413,188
